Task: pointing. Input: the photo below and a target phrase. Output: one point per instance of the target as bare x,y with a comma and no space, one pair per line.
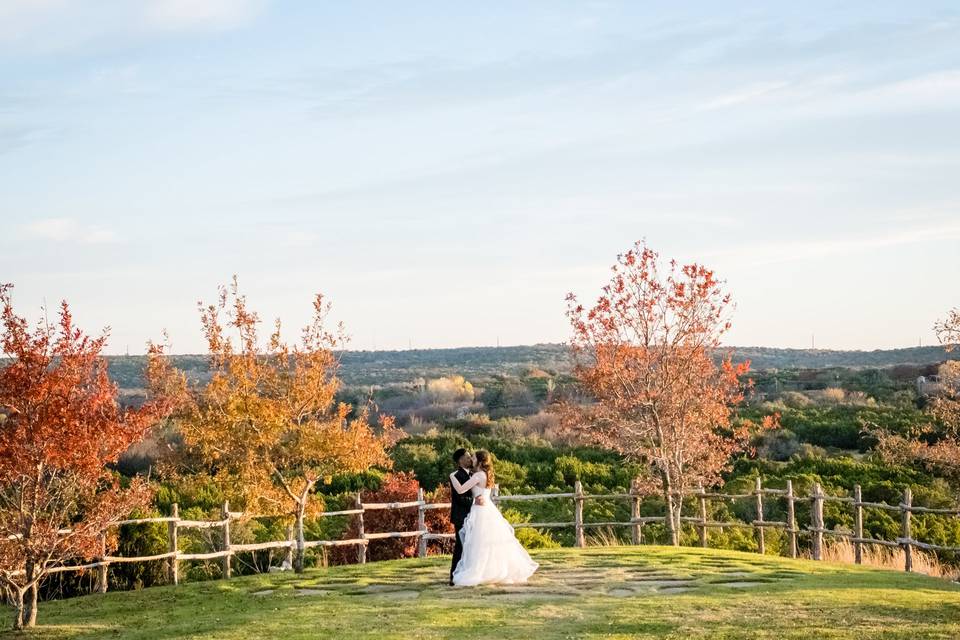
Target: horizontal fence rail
701,524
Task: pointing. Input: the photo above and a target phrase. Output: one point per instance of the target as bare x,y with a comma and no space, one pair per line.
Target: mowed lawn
603,592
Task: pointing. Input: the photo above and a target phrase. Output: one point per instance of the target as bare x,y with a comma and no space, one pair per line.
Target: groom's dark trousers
459,509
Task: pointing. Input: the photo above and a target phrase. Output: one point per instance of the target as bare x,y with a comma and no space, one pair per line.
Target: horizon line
563,344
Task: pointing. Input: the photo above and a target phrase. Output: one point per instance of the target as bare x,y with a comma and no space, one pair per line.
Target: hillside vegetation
385,367
600,592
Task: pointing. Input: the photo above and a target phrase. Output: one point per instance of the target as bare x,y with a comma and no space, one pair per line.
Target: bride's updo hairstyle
485,463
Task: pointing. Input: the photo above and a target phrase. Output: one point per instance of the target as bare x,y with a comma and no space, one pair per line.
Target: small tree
934,448
267,426
945,406
948,329
62,426
645,353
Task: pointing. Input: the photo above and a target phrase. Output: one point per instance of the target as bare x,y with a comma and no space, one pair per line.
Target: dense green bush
522,464
844,426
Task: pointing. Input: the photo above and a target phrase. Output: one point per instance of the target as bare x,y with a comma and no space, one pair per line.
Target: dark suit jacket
460,503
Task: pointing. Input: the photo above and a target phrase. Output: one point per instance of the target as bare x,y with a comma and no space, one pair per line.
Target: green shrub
530,538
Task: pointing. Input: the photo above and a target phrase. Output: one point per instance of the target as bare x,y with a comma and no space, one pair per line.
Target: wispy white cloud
779,252
15,136
931,88
746,94
295,238
201,14
68,230
44,26
840,94
28,10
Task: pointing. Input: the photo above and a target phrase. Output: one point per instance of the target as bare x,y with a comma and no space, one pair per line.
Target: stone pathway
594,573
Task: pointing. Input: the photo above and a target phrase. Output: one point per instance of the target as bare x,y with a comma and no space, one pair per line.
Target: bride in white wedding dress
491,552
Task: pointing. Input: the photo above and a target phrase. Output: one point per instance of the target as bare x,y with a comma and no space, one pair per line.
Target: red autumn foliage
645,354
60,429
397,487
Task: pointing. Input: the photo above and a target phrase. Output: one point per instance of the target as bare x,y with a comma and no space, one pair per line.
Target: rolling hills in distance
390,367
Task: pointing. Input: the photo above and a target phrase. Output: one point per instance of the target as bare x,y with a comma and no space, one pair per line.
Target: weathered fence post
758,525
905,509
791,520
421,525
173,573
580,541
103,569
362,547
225,516
816,517
816,527
701,496
857,525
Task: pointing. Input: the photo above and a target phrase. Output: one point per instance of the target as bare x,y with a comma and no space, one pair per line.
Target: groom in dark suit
460,503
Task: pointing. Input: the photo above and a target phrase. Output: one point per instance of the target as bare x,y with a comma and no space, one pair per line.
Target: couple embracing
485,550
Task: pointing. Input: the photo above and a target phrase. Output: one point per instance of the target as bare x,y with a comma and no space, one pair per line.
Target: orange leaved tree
60,428
267,427
645,355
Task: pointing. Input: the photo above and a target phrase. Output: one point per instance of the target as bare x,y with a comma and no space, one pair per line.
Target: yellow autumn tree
266,426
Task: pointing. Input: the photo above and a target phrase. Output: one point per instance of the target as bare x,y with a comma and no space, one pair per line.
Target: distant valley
392,367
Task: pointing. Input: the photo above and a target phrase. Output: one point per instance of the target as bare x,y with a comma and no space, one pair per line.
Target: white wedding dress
491,552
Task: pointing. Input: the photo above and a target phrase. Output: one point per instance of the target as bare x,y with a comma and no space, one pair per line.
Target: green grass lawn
603,592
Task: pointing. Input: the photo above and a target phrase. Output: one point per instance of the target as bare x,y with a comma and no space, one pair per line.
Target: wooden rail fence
816,530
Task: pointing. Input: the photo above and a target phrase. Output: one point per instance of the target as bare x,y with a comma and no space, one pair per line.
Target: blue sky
446,172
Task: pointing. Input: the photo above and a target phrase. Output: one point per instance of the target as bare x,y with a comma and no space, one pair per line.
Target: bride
491,552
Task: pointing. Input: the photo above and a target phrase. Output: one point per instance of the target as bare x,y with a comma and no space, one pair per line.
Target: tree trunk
26,600
672,515
677,525
31,605
20,609
672,533
298,525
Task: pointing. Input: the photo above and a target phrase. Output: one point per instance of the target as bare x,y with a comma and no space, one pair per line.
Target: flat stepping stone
405,594
669,590
514,589
265,592
381,588
621,593
312,592
530,595
332,581
740,584
736,574
665,583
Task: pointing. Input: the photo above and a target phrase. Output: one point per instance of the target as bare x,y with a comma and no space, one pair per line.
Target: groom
460,504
